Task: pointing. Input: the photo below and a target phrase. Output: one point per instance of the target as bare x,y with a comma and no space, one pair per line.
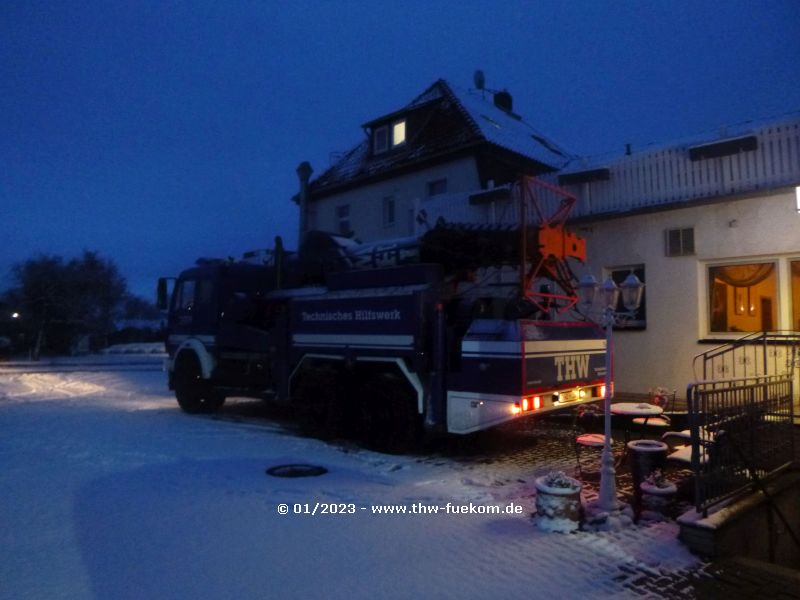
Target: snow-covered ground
108,491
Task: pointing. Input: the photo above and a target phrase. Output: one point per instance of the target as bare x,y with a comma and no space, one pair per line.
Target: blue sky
157,132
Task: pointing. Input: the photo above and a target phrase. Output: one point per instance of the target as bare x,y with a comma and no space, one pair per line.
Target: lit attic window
388,136
398,133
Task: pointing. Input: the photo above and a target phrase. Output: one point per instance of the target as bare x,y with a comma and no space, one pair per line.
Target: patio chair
680,445
679,458
588,427
663,398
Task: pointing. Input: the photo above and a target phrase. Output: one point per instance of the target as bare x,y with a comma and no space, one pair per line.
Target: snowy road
108,491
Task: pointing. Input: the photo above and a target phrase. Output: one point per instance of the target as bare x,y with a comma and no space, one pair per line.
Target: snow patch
121,495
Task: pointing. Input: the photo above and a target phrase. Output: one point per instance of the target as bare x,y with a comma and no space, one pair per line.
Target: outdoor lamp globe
632,289
610,293
587,290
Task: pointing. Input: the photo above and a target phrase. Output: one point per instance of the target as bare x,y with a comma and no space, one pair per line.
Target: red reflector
537,402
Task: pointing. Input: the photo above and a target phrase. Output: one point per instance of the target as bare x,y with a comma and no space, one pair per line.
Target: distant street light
588,291
15,315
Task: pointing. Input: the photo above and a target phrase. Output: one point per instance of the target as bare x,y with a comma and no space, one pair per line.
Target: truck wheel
312,398
193,393
389,417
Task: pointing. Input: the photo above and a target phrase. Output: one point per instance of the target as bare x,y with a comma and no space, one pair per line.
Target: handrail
756,415
751,340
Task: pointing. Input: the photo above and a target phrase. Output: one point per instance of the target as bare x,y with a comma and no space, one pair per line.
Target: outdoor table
633,410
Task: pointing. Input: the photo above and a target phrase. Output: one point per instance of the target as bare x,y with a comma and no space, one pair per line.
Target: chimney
503,101
304,171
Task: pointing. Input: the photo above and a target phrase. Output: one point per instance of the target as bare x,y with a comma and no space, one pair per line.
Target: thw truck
385,340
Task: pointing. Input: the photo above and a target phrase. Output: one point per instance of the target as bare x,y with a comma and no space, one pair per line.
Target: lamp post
588,291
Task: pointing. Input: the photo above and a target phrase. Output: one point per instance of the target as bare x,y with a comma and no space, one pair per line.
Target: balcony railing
666,176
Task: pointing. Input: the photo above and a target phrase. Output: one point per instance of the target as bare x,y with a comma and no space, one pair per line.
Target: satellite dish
479,79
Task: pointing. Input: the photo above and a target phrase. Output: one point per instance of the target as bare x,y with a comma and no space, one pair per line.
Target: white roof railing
761,158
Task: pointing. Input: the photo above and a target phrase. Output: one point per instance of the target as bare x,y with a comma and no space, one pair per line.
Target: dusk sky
157,132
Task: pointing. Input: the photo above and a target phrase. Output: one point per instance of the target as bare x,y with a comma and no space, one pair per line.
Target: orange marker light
515,409
537,402
526,404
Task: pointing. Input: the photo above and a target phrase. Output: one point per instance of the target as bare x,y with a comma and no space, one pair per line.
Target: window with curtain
743,297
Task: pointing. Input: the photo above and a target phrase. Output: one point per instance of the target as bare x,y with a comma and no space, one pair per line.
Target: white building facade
713,229
710,224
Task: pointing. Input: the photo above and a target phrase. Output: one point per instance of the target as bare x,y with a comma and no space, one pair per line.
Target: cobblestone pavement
526,450
549,445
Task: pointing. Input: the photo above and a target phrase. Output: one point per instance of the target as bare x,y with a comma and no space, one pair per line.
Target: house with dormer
710,223
447,142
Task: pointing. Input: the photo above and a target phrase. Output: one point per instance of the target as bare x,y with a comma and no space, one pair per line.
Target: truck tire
389,418
194,394
318,407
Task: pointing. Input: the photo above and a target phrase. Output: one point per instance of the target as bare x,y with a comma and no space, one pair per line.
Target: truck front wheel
194,394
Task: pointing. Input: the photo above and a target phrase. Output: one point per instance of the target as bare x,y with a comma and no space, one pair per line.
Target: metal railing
663,176
668,175
758,354
741,433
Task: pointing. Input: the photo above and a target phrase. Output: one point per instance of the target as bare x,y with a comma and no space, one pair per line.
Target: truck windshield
193,293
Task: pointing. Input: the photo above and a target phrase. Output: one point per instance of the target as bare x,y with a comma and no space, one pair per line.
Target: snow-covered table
633,410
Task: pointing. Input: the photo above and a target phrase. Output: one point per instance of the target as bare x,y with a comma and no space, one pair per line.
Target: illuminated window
398,133
796,294
381,140
742,297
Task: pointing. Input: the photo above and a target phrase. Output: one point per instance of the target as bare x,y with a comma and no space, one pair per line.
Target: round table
636,409
633,410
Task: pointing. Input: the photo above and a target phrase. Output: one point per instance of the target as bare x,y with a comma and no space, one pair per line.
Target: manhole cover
296,471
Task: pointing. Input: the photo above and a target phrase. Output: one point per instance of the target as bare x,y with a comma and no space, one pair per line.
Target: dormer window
398,133
381,140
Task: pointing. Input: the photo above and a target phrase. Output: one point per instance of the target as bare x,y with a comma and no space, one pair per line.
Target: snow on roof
484,122
508,130
721,134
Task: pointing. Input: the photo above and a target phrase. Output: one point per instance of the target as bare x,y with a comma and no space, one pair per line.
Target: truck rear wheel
320,403
194,394
389,417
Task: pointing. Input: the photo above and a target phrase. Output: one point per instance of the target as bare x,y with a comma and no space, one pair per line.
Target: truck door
194,306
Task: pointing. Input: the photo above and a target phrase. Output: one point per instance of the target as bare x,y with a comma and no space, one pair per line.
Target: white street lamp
609,292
